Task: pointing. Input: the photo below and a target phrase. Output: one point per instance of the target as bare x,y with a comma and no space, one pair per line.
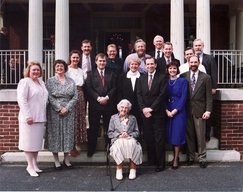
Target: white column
232,31
35,36
62,30
1,20
177,28
239,29
203,24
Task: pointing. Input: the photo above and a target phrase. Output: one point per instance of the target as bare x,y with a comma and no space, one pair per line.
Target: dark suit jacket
211,68
155,97
125,91
94,89
4,43
93,64
162,63
201,99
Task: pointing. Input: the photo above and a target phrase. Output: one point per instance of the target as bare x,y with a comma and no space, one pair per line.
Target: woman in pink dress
32,99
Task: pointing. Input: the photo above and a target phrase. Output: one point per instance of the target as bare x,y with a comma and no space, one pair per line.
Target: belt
79,88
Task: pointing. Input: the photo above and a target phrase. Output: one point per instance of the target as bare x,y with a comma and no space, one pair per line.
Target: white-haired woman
123,132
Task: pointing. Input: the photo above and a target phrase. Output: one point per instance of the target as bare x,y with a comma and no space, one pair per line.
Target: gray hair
134,59
158,37
139,41
124,101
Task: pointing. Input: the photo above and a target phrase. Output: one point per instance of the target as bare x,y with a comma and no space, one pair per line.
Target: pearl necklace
172,83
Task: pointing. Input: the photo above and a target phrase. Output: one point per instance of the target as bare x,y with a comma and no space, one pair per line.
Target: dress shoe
202,164
160,168
171,162
32,172
38,170
119,175
132,174
90,154
68,166
207,138
189,162
176,167
58,168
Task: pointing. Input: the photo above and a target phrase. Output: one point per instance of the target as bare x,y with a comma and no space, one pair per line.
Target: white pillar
35,44
1,19
239,29
232,31
62,30
203,24
177,28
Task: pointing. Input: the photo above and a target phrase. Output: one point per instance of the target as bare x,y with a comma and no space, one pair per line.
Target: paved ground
92,177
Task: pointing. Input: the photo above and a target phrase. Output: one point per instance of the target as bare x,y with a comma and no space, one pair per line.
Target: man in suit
189,51
101,89
151,94
87,61
210,65
140,48
158,44
199,108
166,58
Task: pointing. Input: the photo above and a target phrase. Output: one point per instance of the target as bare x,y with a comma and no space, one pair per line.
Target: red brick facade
9,133
228,124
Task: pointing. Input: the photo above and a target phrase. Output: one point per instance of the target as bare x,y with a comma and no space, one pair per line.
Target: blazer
125,91
115,127
162,63
201,100
211,67
92,59
94,89
32,100
155,97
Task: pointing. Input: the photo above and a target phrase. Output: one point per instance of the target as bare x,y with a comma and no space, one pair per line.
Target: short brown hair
30,64
150,57
173,63
86,41
60,61
102,55
73,52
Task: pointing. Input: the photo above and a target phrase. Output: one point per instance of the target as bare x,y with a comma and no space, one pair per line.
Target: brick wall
228,124
9,132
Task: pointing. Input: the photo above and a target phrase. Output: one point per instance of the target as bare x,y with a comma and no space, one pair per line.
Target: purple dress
176,99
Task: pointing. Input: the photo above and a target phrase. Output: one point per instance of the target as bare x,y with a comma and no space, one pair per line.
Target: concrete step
100,156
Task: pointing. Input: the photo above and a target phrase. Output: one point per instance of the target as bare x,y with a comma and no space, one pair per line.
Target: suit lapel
98,79
198,83
154,82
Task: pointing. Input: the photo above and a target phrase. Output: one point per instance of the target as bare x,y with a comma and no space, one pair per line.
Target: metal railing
12,63
230,67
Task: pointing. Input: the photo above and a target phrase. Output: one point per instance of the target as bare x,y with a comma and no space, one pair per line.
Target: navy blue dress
176,99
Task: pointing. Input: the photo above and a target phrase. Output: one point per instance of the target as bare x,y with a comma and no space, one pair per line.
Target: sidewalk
92,177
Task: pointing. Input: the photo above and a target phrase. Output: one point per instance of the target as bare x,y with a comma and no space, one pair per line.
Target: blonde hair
30,64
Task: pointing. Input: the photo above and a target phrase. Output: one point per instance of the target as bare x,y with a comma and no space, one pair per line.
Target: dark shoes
68,166
207,138
59,168
90,154
160,168
202,164
171,163
189,162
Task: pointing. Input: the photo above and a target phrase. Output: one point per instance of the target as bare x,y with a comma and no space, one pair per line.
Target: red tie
102,78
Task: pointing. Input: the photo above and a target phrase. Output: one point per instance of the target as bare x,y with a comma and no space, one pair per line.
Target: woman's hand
123,135
63,111
30,121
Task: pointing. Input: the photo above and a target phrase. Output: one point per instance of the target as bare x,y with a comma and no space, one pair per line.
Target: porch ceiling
141,5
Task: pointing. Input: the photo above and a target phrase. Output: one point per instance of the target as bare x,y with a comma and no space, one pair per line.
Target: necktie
150,81
193,82
158,54
168,61
102,78
88,64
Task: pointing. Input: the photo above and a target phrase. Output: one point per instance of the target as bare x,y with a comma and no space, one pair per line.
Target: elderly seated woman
123,132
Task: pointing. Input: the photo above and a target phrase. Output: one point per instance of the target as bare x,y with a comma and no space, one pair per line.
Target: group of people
145,95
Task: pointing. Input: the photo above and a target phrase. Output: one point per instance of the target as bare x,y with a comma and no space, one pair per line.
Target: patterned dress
80,131
60,129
